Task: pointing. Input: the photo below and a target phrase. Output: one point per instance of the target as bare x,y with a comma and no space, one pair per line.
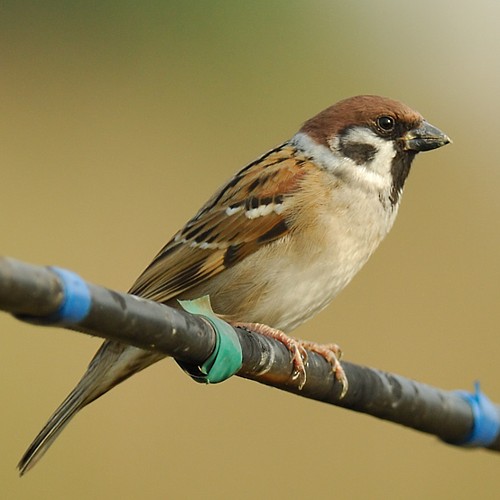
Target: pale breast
285,283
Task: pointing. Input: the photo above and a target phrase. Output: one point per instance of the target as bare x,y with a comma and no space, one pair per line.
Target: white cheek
377,172
375,175
384,148
382,161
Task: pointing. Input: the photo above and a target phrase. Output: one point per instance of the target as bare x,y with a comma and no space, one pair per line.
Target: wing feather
249,211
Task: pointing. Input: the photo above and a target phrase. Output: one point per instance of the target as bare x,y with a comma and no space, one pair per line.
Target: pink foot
298,352
331,352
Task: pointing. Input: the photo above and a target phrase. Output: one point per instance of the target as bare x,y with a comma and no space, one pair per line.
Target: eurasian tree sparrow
279,240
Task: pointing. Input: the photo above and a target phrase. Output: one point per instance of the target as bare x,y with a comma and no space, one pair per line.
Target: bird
279,240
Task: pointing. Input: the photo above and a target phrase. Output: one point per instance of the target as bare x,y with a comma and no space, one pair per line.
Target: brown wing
246,213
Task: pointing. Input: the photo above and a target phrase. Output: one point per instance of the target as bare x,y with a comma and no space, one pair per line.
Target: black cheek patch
359,152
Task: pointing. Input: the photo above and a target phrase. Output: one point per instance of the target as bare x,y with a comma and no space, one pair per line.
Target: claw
331,352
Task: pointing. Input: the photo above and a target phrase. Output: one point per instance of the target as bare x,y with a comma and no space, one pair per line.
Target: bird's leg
298,352
331,352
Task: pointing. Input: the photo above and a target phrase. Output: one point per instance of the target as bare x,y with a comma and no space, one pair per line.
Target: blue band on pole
227,357
77,300
486,419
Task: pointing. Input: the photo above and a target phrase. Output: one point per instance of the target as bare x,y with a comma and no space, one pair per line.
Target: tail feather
61,417
113,363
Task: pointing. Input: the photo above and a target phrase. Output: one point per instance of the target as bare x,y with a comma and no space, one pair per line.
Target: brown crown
359,110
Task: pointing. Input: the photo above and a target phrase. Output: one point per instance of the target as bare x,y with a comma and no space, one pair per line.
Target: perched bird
277,242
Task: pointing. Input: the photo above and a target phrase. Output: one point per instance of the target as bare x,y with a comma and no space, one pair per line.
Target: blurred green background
119,119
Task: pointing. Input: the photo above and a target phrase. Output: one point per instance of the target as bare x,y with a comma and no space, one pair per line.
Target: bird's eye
386,123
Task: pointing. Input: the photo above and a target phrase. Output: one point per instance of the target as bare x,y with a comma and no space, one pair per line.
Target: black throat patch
400,169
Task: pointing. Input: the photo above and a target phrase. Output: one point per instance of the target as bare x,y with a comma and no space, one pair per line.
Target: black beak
424,138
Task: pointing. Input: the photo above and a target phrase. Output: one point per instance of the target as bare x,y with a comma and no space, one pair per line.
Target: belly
290,280
282,285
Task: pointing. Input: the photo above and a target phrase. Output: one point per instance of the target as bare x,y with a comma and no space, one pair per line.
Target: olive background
118,120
